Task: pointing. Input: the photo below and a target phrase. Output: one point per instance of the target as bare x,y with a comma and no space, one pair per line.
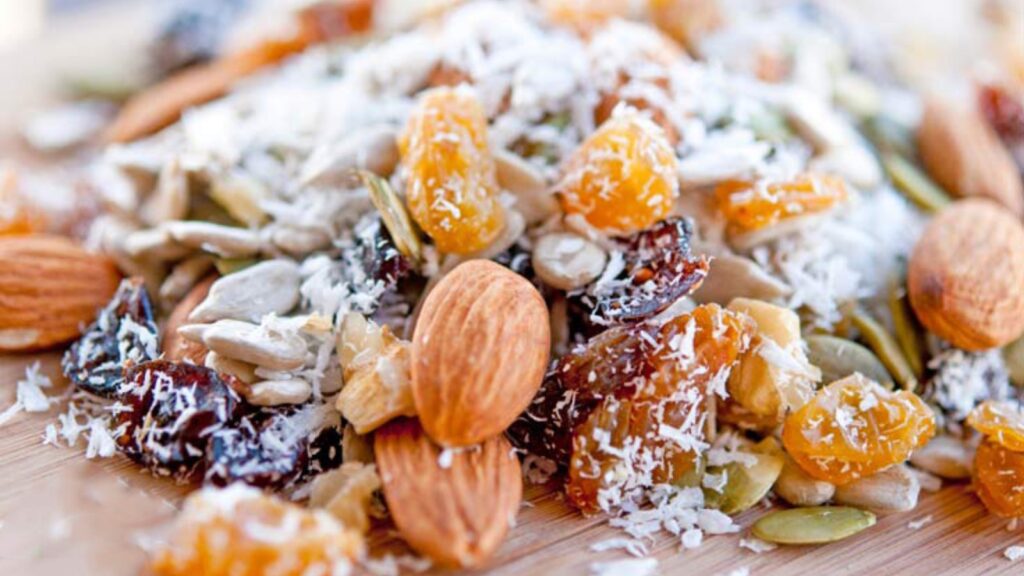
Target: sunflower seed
534,199
279,392
155,244
183,277
813,525
270,287
251,343
242,370
946,457
224,241
798,488
374,149
734,276
240,194
894,489
170,200
299,241
567,261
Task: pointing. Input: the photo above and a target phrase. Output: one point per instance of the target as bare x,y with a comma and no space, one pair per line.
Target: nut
176,346
894,489
50,289
965,275
458,514
567,261
800,489
964,155
479,352
268,287
279,392
376,387
347,494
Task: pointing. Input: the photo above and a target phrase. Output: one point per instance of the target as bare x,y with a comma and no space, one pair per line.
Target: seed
268,287
534,199
894,489
799,488
170,200
1013,355
745,485
813,525
242,370
374,149
394,215
946,457
249,343
914,183
838,358
154,244
183,277
567,261
908,331
888,351
854,163
732,276
299,241
241,195
279,392
224,241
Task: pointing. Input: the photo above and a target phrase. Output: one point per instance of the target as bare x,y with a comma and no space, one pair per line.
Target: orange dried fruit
239,531
998,478
1000,422
623,177
685,20
854,427
16,219
585,15
452,183
751,206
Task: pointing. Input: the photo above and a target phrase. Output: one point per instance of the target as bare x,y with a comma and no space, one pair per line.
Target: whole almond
965,275
50,289
479,352
176,347
964,155
454,507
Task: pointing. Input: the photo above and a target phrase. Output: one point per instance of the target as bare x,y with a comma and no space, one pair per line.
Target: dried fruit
16,218
656,271
170,413
838,358
347,494
998,477
774,377
177,348
451,183
49,289
585,14
456,514
479,352
265,449
853,428
965,274
894,489
964,155
124,335
812,525
622,178
749,206
1001,422
239,531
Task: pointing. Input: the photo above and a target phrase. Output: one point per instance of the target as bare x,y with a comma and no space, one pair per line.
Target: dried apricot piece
451,177
623,177
853,427
751,206
998,478
239,531
1000,422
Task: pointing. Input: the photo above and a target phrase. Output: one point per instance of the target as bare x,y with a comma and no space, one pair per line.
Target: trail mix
676,260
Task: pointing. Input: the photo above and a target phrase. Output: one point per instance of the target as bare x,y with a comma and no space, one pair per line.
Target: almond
964,155
176,347
50,289
455,510
479,352
965,275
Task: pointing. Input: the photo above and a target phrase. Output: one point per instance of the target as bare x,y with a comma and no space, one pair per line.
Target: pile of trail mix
676,258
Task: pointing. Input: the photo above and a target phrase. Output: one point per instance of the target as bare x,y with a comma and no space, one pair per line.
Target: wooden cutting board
63,515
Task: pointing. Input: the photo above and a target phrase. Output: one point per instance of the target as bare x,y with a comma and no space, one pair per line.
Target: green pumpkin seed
692,478
914,183
812,525
396,218
1013,355
884,345
908,331
745,486
837,358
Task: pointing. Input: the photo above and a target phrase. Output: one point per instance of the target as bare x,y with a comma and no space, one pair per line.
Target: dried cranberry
657,270
124,334
170,411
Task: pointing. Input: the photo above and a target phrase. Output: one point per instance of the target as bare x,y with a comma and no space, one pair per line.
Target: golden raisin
685,20
1000,422
854,427
16,219
585,15
623,177
999,478
754,205
452,183
239,531
651,428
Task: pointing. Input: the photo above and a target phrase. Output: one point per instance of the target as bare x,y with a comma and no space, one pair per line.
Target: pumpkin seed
745,486
908,331
1013,355
914,183
693,478
837,358
227,266
884,345
393,213
812,525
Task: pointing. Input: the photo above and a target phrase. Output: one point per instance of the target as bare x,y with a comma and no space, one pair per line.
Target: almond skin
50,289
479,352
458,514
964,155
176,347
966,274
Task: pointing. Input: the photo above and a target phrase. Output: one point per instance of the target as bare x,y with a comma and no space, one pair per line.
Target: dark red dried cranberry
658,270
259,450
170,411
124,334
